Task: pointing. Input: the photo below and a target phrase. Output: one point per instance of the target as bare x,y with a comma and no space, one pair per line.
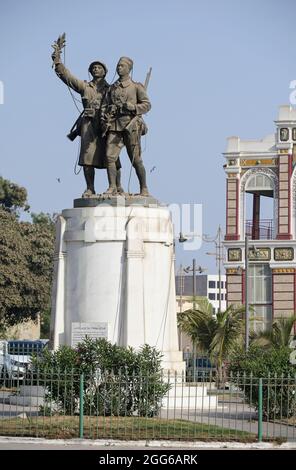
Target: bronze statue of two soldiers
111,119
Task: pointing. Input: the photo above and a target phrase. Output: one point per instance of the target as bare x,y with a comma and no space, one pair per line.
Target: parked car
200,369
17,357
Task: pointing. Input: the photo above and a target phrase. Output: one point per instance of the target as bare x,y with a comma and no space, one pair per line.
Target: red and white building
261,203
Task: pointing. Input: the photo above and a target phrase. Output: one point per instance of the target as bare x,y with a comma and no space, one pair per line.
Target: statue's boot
120,189
112,173
89,174
141,174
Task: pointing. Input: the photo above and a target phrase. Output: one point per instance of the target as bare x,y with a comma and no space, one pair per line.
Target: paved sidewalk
236,415
12,443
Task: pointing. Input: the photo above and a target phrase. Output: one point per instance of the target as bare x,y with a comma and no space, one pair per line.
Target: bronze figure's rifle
138,120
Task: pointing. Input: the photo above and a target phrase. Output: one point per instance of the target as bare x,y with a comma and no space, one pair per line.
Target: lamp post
219,257
194,282
247,319
181,287
246,285
193,269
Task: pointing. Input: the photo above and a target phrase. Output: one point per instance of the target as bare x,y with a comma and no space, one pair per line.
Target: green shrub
117,381
279,379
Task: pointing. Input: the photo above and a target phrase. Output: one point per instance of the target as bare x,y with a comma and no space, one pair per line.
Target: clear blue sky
220,68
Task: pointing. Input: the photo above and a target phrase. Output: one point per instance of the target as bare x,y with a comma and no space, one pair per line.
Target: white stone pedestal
189,397
114,266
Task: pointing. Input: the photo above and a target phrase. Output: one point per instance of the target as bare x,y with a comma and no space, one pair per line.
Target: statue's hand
58,45
56,55
60,42
129,106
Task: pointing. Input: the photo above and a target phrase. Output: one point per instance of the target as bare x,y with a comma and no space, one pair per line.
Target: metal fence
70,403
262,231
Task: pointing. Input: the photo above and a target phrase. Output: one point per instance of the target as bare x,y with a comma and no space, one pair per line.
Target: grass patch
124,428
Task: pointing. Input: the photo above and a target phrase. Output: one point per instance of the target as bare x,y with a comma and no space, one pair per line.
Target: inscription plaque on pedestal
91,330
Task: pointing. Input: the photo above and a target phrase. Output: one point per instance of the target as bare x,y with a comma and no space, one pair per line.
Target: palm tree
216,336
279,336
229,329
199,325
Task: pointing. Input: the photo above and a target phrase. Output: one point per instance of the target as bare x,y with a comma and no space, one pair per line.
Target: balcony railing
262,231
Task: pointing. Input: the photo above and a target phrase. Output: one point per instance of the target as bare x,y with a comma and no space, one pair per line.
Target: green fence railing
105,404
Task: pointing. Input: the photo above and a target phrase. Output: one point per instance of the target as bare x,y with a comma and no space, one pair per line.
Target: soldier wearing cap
121,112
88,126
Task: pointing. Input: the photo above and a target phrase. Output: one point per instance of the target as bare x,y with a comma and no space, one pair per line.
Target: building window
259,187
218,284
260,284
212,284
212,296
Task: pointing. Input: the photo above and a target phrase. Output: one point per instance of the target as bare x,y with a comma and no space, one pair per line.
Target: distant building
261,204
207,285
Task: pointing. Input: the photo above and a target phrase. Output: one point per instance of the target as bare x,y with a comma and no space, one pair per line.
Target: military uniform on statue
88,125
121,112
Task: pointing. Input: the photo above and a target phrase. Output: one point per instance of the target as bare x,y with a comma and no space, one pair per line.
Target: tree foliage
13,197
199,325
26,258
278,378
45,323
279,336
117,380
43,218
214,335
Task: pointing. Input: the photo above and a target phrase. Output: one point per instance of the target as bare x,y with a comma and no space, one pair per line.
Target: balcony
260,231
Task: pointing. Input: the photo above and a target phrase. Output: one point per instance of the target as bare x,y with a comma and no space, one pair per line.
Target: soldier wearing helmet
88,126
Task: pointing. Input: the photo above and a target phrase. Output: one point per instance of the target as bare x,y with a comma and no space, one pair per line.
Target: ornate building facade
261,204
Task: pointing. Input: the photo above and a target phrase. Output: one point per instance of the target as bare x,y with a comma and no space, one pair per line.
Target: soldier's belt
119,111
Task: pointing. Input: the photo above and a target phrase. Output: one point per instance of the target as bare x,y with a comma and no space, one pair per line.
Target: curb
161,444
